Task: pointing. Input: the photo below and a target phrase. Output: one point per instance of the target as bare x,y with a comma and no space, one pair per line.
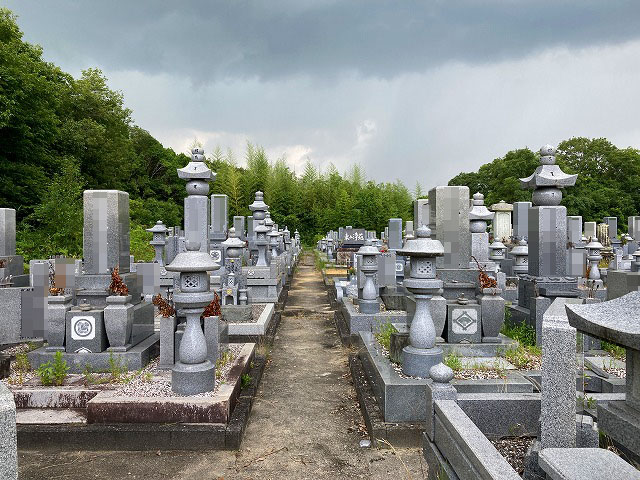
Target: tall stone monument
196,204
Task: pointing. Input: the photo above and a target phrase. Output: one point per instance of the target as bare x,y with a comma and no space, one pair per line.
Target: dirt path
305,423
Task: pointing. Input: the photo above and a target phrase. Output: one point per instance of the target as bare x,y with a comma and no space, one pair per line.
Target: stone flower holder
58,306
118,322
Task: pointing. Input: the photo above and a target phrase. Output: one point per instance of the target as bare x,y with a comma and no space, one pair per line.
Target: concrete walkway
305,422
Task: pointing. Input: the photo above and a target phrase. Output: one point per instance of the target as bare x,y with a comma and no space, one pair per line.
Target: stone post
118,322
7,232
590,230
158,241
238,224
421,353
193,373
558,408
439,388
8,435
196,204
521,220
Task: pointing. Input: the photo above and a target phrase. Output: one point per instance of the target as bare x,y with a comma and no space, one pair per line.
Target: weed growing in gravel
118,370
453,361
226,358
22,363
523,357
616,351
245,380
523,333
53,373
383,334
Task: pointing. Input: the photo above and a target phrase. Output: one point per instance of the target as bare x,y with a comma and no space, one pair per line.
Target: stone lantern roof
548,179
501,206
593,244
196,169
479,211
368,249
193,260
422,245
233,241
258,204
521,248
159,227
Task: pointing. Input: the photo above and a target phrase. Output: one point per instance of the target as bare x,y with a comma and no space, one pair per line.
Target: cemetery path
305,422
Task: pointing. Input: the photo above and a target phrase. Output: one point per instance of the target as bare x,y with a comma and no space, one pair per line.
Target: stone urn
57,308
118,322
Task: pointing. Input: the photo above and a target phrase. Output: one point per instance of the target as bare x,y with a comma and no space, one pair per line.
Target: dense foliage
60,135
608,178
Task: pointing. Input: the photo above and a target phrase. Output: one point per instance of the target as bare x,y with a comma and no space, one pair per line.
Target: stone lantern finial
548,180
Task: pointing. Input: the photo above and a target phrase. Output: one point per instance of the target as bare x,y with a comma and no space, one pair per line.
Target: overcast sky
416,91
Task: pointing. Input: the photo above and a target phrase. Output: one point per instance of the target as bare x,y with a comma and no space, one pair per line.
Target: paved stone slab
585,463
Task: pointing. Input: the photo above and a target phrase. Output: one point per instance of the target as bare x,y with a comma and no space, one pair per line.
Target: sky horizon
415,91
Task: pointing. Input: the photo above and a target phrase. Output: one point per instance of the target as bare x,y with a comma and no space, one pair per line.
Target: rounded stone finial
192,245
423,232
197,154
478,198
259,196
232,232
440,373
548,155
462,300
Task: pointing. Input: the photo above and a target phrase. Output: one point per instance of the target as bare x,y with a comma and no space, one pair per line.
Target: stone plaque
83,328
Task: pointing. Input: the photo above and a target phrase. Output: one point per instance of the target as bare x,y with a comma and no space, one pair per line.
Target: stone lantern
287,239
497,250
369,303
261,242
329,247
259,209
479,215
233,282
273,243
421,354
520,254
158,241
193,373
594,249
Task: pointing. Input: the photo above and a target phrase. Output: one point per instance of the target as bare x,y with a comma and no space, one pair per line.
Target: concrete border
258,328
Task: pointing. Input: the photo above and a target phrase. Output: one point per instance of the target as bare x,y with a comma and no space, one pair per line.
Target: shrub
383,335
53,373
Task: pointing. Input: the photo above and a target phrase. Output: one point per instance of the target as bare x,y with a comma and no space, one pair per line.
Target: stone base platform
134,359
101,422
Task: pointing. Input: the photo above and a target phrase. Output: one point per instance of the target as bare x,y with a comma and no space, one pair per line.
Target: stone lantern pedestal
369,302
421,354
193,373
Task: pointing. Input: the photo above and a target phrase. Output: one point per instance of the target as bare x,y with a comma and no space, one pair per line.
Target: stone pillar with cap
479,215
193,373
547,239
369,302
421,353
158,241
259,209
261,243
196,204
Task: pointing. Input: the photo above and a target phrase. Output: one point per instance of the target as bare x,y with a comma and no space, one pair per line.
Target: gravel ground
514,450
618,372
480,373
148,382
